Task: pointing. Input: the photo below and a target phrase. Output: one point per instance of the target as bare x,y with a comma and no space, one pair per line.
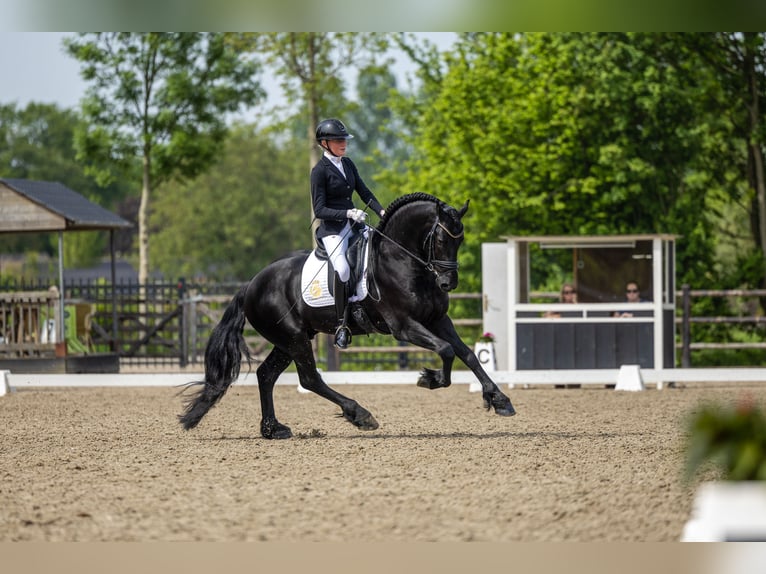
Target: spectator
632,295
568,294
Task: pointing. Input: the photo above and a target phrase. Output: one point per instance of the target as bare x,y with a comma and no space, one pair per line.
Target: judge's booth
600,330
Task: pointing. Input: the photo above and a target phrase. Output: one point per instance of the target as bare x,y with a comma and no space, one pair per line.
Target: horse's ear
463,209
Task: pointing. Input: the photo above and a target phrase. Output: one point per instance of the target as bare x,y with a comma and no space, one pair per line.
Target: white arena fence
629,377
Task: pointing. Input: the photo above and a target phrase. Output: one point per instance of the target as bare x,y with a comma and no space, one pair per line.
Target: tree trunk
143,223
313,116
757,176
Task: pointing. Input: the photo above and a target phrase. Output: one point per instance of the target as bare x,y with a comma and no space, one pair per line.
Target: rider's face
338,147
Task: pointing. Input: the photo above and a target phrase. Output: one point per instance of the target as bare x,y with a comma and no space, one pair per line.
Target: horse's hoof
431,379
507,411
501,404
275,430
367,423
362,419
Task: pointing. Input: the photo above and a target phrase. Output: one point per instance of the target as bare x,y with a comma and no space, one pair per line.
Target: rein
431,264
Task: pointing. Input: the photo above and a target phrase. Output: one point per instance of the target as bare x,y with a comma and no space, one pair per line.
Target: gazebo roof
27,205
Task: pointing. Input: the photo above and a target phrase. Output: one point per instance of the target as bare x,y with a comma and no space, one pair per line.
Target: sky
35,68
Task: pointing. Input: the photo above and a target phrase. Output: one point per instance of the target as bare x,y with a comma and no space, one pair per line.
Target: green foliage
38,144
310,64
159,96
249,208
84,248
379,136
734,439
310,67
574,134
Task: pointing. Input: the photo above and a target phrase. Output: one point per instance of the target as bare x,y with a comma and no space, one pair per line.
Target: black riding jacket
331,194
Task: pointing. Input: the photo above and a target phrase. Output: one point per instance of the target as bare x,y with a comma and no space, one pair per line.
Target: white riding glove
356,215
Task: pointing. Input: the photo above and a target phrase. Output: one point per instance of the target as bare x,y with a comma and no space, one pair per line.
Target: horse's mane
406,200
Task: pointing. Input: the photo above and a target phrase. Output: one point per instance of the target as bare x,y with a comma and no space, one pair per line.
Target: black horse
413,266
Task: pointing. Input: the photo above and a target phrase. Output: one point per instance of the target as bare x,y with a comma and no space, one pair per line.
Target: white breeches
336,247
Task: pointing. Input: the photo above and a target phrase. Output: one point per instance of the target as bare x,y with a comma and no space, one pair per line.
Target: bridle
431,264
428,245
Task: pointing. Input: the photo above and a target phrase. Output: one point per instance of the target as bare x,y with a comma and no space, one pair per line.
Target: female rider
333,181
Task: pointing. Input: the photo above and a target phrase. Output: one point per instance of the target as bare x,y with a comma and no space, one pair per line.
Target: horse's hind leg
312,381
268,372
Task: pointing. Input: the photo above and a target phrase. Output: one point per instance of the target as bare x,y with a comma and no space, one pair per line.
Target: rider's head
332,130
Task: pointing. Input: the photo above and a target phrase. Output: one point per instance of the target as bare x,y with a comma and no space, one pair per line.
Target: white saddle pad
314,288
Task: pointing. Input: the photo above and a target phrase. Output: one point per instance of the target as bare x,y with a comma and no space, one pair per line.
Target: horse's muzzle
446,282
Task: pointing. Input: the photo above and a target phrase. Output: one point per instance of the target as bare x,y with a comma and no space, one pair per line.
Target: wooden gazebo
28,206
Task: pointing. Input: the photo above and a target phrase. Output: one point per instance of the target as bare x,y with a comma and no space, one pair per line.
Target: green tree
310,67
570,134
380,137
228,223
160,97
738,61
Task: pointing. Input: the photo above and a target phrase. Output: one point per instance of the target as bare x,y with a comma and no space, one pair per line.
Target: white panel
494,281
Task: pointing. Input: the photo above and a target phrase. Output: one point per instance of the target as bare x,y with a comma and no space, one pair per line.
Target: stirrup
342,337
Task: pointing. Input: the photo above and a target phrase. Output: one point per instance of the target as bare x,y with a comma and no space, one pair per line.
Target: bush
732,438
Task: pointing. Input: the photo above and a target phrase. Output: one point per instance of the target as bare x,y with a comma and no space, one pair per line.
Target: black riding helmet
332,129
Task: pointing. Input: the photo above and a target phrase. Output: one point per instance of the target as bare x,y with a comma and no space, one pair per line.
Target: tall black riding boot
340,292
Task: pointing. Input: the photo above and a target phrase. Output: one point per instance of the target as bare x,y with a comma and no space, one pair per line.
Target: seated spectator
568,294
632,295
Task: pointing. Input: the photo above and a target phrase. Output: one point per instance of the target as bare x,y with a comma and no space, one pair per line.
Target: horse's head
429,231
442,244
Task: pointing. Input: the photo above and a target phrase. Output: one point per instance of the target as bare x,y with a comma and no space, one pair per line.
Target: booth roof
583,239
79,212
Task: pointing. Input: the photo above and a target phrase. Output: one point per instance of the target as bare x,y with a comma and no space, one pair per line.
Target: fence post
686,354
333,355
181,286
404,359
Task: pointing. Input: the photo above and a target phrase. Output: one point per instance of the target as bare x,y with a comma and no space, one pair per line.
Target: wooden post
185,323
333,355
686,359
113,275
61,338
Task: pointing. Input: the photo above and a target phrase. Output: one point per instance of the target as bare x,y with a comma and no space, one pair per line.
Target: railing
27,323
168,323
745,317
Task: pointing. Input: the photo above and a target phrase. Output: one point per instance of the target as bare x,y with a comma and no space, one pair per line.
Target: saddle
317,275
355,255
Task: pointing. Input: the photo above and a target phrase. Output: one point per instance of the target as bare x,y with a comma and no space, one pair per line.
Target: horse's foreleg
492,395
268,372
419,335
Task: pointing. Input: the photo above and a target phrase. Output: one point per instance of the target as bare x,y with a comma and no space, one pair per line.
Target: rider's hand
357,215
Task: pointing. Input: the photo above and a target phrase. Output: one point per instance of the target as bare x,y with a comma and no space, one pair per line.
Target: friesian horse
412,268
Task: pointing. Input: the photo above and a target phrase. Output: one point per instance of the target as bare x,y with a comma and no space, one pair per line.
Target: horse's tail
223,356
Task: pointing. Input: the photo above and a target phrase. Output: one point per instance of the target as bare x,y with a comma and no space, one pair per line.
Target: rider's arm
364,191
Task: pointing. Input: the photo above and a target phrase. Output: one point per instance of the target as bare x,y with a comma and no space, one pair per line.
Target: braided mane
406,200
